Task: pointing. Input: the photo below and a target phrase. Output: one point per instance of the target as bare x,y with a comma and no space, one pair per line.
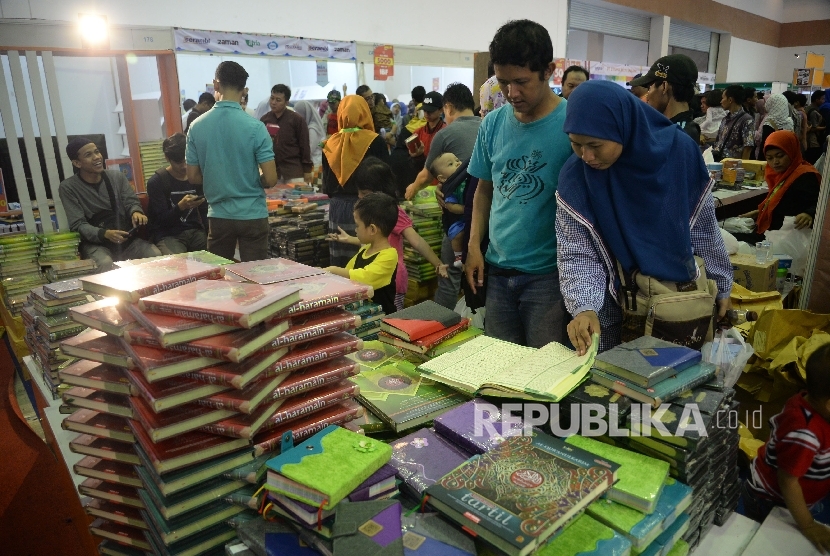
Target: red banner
384,62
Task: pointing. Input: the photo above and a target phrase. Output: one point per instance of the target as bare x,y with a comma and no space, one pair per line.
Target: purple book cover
423,458
458,426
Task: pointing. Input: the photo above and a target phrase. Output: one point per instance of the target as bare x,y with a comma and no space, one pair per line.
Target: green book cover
587,537
189,524
402,398
188,499
176,481
324,469
641,478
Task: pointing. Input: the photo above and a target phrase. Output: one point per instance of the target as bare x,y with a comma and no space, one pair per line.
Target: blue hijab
826,105
642,205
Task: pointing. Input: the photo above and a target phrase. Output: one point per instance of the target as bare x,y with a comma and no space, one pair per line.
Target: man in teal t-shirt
232,155
517,157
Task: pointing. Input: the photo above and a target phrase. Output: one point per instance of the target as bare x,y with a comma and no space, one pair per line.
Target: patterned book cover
337,414
170,329
324,291
87,421
167,424
518,494
92,374
234,346
157,364
239,375
97,346
299,405
315,325
170,392
133,283
271,271
104,448
106,315
223,302
402,397
98,400
423,458
316,351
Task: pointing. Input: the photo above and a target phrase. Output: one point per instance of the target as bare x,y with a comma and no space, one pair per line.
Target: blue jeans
525,309
447,292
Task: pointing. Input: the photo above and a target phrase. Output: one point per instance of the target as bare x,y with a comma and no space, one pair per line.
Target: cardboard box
753,276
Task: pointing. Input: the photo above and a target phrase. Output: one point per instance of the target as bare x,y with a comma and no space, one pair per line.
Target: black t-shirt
165,218
686,121
800,197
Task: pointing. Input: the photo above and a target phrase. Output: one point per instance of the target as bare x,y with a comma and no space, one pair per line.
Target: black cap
76,145
639,75
676,68
432,101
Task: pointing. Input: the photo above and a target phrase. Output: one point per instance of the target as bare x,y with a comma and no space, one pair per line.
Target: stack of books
152,158
300,237
422,327
199,256
57,271
58,246
46,317
370,316
19,270
426,220
356,473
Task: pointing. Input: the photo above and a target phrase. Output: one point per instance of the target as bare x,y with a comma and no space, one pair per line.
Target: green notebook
587,537
402,398
641,478
324,469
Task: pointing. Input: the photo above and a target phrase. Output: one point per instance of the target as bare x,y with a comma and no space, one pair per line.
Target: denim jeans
447,292
525,309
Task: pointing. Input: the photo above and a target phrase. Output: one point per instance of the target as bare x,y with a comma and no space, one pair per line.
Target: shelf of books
191,397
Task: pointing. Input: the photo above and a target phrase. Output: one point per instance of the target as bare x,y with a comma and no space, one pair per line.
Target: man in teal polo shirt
232,156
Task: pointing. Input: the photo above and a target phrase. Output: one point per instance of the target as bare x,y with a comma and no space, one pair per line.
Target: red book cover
134,282
105,448
247,399
97,346
413,323
98,400
87,421
426,343
157,364
315,400
167,329
241,425
271,271
324,291
315,325
185,418
317,351
222,302
106,315
183,450
239,375
337,414
171,392
92,374
108,470
111,491
121,533
317,376
116,512
232,346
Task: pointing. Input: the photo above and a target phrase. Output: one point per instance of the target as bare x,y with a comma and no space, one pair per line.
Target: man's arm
482,202
194,175
423,179
268,174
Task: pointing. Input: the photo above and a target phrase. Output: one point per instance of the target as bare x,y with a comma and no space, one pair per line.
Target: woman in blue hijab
635,191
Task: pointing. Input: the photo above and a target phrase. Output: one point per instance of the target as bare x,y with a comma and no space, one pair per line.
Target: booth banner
706,78
561,65
195,40
322,73
384,56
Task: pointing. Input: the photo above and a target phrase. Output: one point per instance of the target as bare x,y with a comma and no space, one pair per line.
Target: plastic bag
465,312
792,242
738,225
729,241
729,353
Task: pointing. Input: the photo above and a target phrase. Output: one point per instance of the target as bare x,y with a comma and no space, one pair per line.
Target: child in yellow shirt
376,262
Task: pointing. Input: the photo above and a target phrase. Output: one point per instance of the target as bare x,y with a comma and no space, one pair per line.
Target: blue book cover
663,544
286,544
664,391
646,360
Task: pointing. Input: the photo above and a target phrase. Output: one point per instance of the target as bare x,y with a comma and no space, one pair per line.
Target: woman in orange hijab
342,152
793,187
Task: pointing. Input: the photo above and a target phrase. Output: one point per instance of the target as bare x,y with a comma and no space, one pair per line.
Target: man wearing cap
334,102
671,87
433,107
101,205
638,90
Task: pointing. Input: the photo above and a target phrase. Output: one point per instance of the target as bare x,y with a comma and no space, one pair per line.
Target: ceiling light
93,28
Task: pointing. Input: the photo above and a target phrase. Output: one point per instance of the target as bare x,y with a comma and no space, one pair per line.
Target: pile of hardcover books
200,256
203,377
58,246
702,452
57,271
300,237
426,328
47,321
370,316
426,220
19,269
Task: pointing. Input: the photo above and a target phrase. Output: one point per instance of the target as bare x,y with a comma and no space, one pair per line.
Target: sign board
802,77
818,77
561,64
322,73
814,61
436,83
384,57
195,40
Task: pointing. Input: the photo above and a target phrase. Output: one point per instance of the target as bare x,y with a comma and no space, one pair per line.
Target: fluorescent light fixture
93,28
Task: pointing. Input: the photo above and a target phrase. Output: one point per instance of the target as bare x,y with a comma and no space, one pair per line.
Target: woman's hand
441,269
803,220
580,330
